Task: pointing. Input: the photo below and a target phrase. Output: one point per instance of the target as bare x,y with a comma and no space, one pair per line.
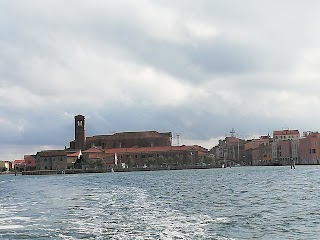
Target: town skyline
176,140
194,68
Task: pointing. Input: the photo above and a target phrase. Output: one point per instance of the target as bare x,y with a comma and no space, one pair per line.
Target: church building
117,140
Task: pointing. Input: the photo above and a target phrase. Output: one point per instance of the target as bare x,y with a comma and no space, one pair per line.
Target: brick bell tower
79,131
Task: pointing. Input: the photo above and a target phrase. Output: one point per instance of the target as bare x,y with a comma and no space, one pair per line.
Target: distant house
98,158
6,165
309,148
30,162
141,156
51,160
72,158
285,146
19,165
59,160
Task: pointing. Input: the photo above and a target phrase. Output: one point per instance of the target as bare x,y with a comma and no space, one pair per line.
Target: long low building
59,160
117,140
183,155
95,158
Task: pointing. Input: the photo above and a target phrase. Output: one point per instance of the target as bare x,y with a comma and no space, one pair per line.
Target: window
136,156
312,151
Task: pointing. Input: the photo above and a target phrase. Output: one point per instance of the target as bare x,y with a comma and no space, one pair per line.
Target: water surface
231,203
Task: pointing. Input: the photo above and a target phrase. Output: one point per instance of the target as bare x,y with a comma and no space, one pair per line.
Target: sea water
229,203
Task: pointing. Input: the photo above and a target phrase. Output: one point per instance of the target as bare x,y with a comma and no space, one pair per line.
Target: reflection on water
232,203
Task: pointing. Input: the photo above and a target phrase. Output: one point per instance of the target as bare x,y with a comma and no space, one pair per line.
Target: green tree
177,159
81,161
161,161
150,161
99,163
131,162
209,160
169,161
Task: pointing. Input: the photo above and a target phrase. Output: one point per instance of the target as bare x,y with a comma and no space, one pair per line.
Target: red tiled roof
52,153
76,154
93,150
99,155
29,158
199,148
202,153
286,132
133,135
19,161
151,149
265,137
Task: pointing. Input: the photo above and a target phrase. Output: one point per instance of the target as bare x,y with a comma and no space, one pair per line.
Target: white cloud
198,68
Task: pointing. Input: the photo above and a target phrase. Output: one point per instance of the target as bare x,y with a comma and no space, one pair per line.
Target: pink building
310,148
285,147
255,143
30,162
19,165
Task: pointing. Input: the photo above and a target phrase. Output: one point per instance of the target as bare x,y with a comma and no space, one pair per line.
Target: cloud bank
194,68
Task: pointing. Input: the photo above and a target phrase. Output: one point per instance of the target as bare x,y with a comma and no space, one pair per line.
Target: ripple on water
237,203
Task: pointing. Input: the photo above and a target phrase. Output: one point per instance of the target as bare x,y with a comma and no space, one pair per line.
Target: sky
195,68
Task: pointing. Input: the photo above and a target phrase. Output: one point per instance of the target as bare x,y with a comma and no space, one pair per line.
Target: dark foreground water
231,203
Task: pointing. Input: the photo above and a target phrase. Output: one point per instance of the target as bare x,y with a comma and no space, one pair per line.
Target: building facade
148,156
6,166
51,160
117,140
30,162
309,146
285,147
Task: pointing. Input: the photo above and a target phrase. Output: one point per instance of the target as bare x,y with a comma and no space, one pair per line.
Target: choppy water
232,203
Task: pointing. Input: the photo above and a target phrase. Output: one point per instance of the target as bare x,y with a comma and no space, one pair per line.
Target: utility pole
178,138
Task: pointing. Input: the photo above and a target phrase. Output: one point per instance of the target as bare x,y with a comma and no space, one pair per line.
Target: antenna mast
232,132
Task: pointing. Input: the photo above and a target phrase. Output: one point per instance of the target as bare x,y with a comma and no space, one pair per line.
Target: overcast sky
198,68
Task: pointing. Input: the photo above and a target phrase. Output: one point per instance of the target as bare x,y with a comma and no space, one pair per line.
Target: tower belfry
79,132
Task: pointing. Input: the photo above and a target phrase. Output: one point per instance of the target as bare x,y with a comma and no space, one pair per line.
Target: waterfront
231,203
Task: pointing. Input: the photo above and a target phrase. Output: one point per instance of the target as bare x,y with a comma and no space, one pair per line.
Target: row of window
156,155
61,159
285,137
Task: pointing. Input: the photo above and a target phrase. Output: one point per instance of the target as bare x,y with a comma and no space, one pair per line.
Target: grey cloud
238,76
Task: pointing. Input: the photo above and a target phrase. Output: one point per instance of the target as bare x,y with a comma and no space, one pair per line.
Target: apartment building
285,147
310,148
